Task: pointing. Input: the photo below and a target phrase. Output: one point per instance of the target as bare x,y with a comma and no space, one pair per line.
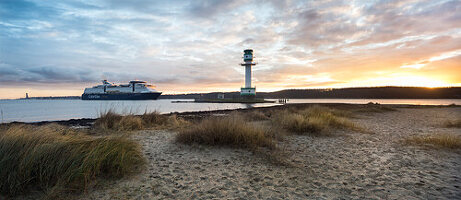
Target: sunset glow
57,49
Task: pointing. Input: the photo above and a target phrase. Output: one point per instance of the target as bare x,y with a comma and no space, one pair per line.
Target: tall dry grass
374,108
232,130
314,120
255,115
111,121
155,119
441,140
57,159
452,123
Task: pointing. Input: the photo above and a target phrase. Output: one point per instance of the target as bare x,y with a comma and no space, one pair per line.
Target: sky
57,48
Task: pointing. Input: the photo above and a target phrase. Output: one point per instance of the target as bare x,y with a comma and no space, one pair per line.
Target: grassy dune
442,140
57,159
370,108
236,130
110,120
452,124
314,120
255,116
233,131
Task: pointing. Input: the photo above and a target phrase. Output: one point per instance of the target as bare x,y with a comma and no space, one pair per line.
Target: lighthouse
248,90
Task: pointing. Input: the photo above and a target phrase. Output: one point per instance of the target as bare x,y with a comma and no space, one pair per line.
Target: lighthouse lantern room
248,90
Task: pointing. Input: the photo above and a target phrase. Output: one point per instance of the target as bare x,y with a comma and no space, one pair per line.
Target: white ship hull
135,90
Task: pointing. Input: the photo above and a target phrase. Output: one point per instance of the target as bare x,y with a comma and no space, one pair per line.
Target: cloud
442,56
44,74
194,44
207,9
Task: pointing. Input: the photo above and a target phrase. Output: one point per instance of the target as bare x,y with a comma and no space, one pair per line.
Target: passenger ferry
135,90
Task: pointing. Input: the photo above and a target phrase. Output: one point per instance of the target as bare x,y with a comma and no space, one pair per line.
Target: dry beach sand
347,165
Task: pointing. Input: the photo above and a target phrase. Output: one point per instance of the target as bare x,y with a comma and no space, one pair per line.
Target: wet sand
348,165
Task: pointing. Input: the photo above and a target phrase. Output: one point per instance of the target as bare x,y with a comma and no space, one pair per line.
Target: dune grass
441,140
254,115
452,124
110,120
58,160
314,120
231,130
374,108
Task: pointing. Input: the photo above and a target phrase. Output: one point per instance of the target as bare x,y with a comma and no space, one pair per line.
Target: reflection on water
47,110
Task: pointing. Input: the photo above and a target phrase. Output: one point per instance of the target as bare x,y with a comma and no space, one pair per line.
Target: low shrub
54,158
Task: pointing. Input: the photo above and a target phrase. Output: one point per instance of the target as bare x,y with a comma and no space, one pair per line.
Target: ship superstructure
134,90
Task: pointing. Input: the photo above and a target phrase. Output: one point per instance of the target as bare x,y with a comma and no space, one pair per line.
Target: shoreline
195,115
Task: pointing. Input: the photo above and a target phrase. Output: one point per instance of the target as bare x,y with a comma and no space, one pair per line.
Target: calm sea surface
47,110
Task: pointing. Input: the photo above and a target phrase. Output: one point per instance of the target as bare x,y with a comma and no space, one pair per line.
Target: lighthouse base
248,92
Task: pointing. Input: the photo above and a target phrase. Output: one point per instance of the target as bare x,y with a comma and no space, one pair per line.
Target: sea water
34,110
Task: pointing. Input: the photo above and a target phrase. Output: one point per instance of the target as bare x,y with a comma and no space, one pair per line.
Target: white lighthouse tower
248,91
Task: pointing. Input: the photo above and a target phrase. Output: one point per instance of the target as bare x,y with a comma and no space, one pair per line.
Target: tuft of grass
108,120
232,131
56,159
255,116
321,110
111,120
442,140
130,122
375,108
314,120
154,118
298,123
114,121
176,122
452,124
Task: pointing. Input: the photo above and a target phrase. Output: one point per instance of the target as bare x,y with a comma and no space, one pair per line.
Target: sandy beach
347,165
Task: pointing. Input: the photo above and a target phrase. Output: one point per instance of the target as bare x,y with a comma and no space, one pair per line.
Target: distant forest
342,93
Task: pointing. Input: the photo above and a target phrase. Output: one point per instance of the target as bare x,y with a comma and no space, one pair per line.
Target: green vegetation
314,120
231,131
57,159
442,140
